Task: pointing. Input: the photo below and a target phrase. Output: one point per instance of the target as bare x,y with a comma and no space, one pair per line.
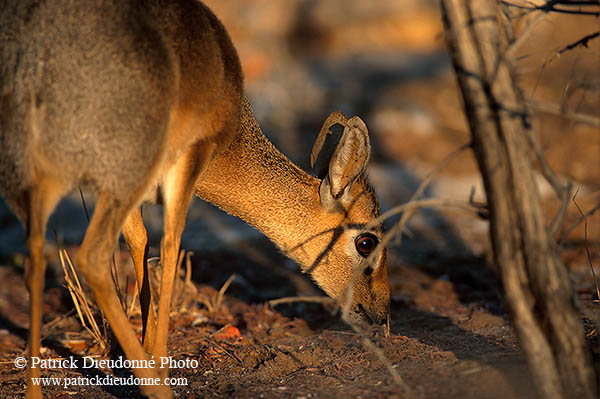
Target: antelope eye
365,244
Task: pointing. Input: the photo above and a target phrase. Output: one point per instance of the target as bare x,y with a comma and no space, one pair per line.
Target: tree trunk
536,287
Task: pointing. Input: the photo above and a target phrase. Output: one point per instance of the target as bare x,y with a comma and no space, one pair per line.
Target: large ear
348,160
326,143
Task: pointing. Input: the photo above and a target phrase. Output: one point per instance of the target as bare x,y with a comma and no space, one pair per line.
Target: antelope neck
252,180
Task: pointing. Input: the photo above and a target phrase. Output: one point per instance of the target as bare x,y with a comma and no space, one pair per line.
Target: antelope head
342,251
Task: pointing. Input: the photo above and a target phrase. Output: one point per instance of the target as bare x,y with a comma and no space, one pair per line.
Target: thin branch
324,300
415,205
398,227
550,7
583,218
80,300
563,192
407,206
367,343
187,290
580,2
556,109
87,214
523,35
587,249
439,167
564,195
583,42
382,358
221,293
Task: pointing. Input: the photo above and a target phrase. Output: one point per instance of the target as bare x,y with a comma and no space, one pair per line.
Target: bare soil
438,345
450,336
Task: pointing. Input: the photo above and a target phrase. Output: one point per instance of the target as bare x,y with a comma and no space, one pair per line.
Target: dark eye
365,244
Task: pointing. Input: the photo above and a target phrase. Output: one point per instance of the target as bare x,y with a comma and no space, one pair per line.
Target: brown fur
272,194
144,100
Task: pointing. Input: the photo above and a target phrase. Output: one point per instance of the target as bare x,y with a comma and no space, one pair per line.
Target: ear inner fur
350,157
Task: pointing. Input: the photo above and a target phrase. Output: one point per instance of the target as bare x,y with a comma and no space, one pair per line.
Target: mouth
370,318
364,314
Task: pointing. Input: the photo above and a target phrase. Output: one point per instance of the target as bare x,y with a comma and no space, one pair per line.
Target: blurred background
386,62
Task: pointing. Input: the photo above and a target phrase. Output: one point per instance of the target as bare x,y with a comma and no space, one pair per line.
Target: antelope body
143,101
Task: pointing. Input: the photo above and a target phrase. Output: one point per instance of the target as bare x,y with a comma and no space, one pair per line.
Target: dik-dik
144,102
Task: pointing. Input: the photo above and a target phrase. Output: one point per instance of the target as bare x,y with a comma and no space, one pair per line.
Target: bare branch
587,249
550,6
556,109
413,204
324,300
346,300
523,36
583,218
583,42
563,192
580,2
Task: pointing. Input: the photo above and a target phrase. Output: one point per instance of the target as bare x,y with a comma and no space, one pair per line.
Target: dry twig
563,192
550,6
556,109
583,42
324,300
80,300
214,303
582,219
523,36
587,249
188,292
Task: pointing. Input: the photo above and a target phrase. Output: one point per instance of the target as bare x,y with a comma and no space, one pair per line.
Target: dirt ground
450,335
440,346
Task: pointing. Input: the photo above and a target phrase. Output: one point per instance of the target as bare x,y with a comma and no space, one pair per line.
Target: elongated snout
377,314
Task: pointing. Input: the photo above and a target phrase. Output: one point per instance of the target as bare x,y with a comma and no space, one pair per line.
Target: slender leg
177,195
41,201
93,261
35,271
137,240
